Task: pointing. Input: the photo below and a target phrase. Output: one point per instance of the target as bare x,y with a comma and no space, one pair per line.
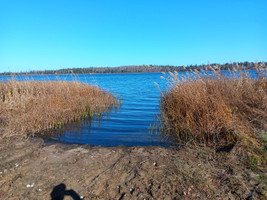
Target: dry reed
217,109
31,107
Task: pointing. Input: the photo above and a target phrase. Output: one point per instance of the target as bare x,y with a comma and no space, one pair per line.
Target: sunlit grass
32,107
215,110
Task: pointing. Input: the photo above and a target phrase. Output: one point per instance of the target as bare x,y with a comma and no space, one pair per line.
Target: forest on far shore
142,69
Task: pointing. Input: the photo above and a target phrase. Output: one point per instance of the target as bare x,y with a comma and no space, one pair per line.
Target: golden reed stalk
215,110
31,107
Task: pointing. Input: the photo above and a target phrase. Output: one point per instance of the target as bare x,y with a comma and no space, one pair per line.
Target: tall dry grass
31,107
217,109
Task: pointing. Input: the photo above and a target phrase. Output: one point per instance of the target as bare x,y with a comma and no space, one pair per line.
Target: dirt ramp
31,169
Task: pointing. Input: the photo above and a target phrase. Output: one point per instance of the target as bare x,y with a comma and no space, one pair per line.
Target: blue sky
54,34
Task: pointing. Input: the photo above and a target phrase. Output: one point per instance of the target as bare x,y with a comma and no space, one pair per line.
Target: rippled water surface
130,124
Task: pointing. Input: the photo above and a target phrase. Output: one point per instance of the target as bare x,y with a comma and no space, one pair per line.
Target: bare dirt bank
33,169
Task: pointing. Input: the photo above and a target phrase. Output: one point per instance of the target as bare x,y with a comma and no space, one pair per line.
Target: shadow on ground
59,192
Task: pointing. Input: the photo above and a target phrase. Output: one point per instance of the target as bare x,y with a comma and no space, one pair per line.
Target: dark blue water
130,124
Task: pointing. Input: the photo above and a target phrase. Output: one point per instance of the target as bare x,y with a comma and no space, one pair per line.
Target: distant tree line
144,69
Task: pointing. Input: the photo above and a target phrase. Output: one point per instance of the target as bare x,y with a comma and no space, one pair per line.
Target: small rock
30,185
132,190
155,164
118,188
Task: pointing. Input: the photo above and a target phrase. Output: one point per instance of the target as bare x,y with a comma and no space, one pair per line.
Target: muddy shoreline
35,169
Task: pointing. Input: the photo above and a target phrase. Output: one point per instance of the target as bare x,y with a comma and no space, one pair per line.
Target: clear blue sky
53,34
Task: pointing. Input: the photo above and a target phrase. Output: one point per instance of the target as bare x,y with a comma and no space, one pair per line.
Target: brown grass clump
215,110
31,107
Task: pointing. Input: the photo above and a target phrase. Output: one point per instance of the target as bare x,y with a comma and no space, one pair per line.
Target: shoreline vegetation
29,108
141,69
215,109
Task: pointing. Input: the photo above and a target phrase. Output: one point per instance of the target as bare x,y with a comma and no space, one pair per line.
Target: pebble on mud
30,185
132,190
118,188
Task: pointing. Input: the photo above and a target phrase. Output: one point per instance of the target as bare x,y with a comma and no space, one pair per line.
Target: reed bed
32,107
215,109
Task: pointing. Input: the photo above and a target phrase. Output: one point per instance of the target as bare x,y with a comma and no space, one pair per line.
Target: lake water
130,124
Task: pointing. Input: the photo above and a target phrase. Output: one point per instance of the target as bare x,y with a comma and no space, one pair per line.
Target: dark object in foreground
59,192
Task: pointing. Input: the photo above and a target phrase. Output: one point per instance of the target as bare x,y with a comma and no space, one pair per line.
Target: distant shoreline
83,74
140,69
